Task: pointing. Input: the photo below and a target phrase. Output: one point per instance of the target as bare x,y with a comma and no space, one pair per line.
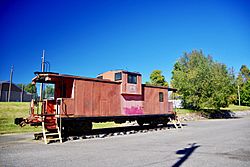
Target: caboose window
132,78
161,97
49,91
118,76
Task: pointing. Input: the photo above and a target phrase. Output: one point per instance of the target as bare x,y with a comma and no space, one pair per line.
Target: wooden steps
176,122
54,135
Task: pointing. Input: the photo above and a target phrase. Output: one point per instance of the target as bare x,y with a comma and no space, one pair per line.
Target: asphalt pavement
223,142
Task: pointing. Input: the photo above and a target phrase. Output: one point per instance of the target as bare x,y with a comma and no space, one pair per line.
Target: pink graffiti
133,110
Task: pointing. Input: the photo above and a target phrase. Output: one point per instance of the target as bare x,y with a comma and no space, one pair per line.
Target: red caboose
117,96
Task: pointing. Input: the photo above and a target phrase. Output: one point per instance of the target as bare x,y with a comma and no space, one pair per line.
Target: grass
213,113
231,107
11,110
185,111
105,125
237,108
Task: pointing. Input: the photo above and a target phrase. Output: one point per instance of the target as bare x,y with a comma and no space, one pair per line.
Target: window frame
45,94
161,97
118,76
132,78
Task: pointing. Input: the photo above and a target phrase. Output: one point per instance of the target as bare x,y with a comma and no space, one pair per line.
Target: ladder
51,136
176,122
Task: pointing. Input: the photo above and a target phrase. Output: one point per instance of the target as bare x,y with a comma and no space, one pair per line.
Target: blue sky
86,38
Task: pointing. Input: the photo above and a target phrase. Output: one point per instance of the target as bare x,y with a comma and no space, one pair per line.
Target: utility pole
41,85
22,93
11,73
239,94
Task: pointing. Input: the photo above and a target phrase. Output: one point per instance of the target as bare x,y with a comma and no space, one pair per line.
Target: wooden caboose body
116,96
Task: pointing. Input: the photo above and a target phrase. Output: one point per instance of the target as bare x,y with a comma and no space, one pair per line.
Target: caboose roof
161,87
45,77
123,71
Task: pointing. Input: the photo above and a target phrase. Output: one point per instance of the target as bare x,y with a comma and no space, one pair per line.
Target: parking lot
221,142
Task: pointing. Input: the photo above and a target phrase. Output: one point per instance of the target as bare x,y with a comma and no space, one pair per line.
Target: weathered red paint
133,110
107,97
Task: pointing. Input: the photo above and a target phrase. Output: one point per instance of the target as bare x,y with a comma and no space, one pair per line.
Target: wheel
140,122
153,123
86,126
77,127
165,123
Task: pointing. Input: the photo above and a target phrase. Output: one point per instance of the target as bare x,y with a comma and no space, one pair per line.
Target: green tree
245,94
243,76
49,91
243,80
157,79
21,85
245,73
30,88
202,82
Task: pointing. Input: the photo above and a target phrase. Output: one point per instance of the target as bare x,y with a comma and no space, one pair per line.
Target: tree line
47,92
205,83
201,82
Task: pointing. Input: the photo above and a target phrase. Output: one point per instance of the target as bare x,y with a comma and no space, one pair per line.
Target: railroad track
110,132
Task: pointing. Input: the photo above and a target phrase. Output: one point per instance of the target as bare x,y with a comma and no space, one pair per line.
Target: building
177,103
16,94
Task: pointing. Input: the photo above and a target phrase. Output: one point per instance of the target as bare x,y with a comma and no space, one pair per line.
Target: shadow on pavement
186,152
218,114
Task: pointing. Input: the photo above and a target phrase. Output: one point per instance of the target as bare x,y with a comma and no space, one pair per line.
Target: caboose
76,102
